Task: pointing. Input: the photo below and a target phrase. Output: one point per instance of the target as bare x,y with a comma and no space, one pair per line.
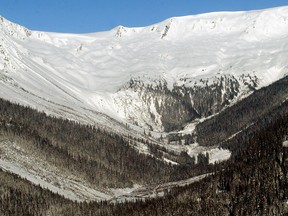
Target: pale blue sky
82,16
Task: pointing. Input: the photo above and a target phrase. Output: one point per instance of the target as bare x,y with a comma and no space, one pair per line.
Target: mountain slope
254,183
83,162
226,71
195,65
243,115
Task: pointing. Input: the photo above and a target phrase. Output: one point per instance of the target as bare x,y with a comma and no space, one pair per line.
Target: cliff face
162,108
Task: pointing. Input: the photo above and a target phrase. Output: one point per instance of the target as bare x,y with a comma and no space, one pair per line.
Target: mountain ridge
90,71
133,113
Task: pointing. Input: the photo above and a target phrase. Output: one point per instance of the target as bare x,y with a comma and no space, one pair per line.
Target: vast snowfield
85,77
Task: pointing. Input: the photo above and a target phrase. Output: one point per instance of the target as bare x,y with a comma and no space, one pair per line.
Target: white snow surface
285,144
82,76
216,154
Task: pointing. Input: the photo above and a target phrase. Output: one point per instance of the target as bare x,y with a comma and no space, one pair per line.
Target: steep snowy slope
159,77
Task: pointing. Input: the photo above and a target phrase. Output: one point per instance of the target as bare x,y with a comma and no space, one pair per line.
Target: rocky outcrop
168,109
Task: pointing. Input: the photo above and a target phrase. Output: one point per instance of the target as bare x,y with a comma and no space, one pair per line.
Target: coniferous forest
253,182
183,117
102,158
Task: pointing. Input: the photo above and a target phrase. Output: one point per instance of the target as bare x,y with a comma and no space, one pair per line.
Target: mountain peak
120,31
255,24
13,29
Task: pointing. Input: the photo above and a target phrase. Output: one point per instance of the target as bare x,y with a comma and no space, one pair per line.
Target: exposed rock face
174,107
168,109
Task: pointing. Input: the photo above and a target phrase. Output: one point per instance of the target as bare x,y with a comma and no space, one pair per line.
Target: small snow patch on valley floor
216,154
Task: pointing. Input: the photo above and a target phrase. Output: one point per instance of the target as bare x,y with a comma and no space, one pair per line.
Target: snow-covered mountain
158,77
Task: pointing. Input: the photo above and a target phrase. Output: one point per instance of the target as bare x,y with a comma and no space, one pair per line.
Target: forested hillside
241,116
101,158
254,183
